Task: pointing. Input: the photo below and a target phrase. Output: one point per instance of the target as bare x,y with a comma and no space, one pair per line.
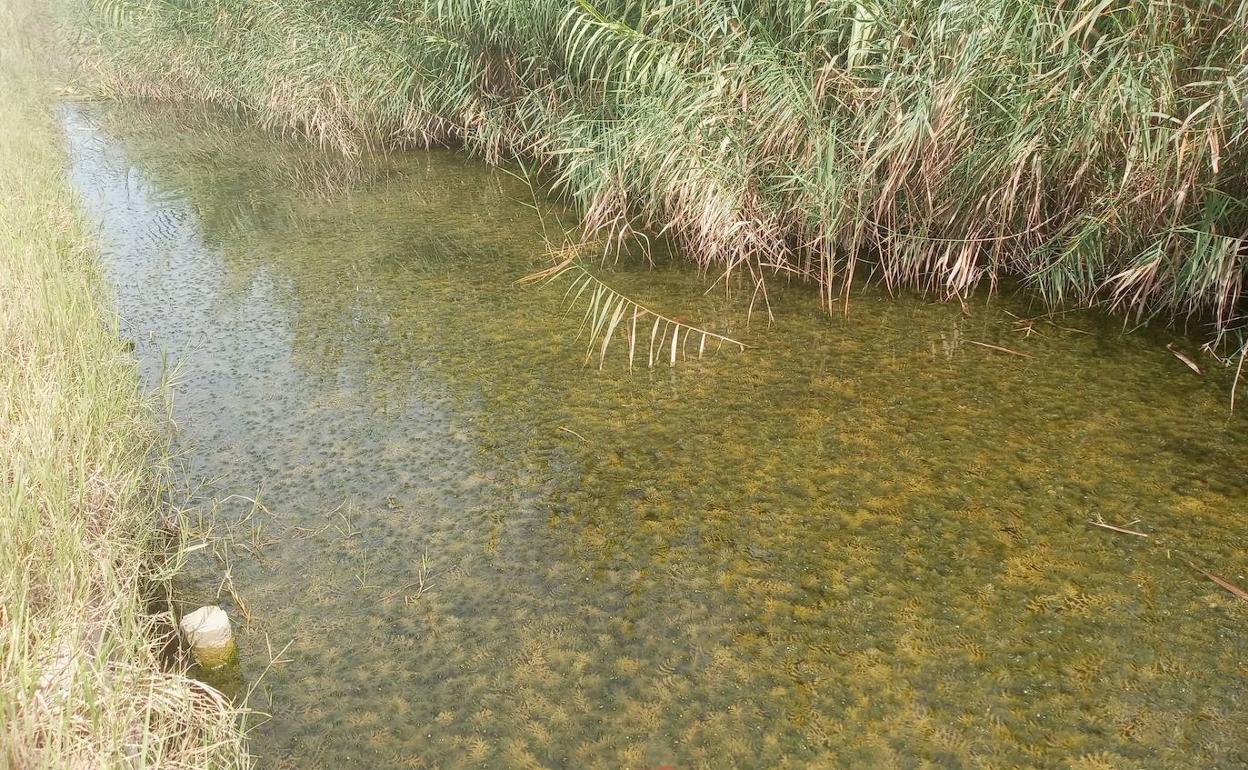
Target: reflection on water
862,543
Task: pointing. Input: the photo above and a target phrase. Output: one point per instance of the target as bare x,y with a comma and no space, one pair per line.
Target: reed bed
82,535
1091,149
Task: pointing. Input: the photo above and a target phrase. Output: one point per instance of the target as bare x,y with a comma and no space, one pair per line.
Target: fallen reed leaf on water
999,349
1116,529
1182,357
1239,593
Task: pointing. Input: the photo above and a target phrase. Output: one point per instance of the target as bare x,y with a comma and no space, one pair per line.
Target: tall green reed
1093,150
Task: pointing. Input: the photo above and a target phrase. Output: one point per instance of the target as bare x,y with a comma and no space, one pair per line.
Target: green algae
864,542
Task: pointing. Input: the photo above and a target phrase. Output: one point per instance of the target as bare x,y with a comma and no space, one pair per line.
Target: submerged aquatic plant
1093,150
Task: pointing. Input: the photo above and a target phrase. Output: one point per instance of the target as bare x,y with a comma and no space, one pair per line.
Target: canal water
863,542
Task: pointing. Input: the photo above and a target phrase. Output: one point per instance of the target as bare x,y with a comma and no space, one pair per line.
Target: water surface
862,543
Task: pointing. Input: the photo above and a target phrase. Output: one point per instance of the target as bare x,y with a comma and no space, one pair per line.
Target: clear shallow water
862,543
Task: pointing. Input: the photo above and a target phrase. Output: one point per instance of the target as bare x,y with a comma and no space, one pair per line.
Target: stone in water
207,631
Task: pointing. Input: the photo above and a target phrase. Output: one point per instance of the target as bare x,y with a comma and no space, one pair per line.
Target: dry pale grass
81,524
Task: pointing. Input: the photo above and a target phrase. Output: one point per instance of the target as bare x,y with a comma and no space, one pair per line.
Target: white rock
208,631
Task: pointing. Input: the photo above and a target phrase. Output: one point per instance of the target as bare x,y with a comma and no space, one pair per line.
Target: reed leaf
605,312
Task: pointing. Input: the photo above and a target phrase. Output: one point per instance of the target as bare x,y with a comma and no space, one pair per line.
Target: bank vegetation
1091,150
84,546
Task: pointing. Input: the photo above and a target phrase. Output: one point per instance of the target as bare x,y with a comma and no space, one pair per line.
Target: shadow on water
863,543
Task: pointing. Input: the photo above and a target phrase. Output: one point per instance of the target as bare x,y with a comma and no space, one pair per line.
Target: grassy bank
1093,150
81,685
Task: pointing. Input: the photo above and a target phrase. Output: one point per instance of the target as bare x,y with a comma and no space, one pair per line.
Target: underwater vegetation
875,546
1092,151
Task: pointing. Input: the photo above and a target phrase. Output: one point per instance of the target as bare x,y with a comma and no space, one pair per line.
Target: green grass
1090,149
82,528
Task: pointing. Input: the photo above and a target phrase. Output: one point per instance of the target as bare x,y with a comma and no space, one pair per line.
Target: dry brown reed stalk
1123,530
1239,369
